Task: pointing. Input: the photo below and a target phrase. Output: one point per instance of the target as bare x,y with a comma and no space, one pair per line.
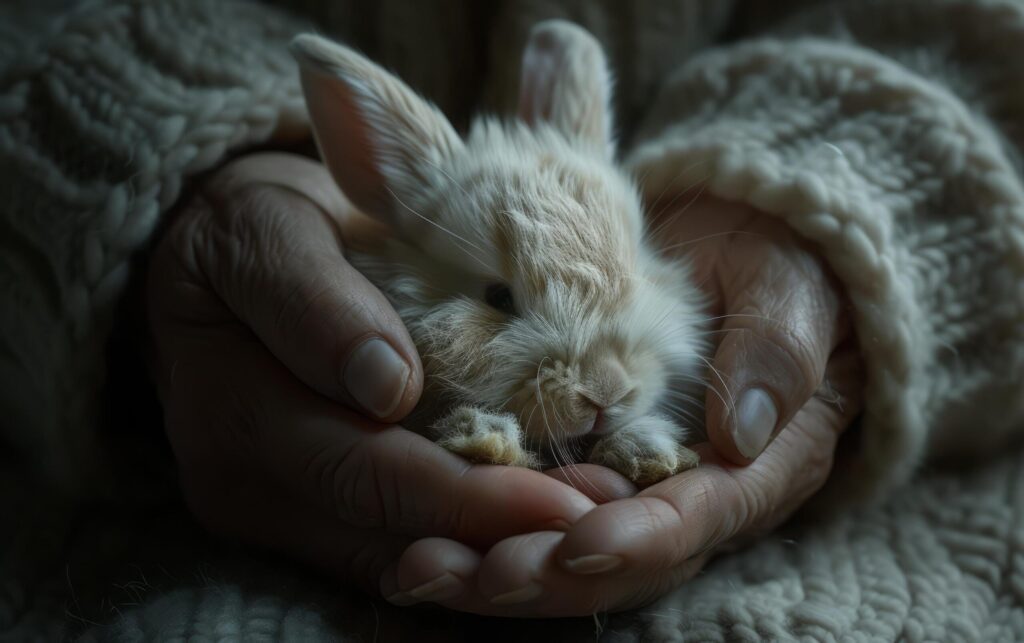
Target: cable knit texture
913,200
101,120
887,132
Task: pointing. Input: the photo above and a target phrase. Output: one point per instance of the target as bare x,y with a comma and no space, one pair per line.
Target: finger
598,483
509,574
782,322
274,256
506,583
333,461
520,577
431,570
693,512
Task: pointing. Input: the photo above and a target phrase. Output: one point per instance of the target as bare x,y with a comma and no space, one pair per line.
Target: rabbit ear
381,142
565,81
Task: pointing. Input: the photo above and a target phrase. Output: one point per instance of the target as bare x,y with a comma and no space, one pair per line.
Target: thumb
782,323
269,249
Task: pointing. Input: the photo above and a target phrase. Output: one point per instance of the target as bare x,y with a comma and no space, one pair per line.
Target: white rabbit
518,261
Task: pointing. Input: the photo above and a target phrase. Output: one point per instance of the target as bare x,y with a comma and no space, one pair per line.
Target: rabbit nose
602,401
609,384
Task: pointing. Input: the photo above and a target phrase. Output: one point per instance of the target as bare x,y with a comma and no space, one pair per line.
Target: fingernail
441,588
401,599
521,595
755,421
593,564
376,377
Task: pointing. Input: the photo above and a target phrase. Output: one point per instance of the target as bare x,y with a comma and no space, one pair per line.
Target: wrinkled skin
254,312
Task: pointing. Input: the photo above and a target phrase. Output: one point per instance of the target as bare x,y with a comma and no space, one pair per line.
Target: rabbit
549,329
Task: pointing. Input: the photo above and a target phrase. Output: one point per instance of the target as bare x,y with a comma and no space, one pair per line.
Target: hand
781,331
280,368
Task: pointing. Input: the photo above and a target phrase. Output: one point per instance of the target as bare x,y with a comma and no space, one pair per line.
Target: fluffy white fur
604,341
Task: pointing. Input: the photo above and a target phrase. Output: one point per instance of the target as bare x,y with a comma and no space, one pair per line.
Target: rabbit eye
499,296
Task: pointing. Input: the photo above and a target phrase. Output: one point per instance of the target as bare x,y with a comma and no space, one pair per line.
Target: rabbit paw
646,452
483,437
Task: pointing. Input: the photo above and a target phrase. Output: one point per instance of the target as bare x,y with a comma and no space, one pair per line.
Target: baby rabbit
516,258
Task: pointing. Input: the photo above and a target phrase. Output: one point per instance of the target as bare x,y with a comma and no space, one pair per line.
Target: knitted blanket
888,133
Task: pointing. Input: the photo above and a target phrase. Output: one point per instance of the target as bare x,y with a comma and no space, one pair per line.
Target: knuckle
724,506
178,255
253,252
790,335
805,360
293,310
665,516
351,489
759,499
240,242
308,307
788,349
662,517
814,468
399,502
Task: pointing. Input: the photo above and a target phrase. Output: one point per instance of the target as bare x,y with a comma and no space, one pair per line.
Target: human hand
781,330
280,369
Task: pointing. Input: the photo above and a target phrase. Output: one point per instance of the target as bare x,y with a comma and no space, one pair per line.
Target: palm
778,323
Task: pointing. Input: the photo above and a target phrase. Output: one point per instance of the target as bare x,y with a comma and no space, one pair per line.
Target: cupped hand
785,380
282,370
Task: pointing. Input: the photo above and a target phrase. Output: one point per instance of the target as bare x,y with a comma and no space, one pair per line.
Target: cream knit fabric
890,133
911,195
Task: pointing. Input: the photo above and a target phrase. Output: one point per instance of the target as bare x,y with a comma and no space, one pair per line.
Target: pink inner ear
344,142
541,62
565,82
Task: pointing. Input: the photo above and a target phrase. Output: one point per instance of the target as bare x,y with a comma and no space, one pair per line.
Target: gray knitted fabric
103,115
889,133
